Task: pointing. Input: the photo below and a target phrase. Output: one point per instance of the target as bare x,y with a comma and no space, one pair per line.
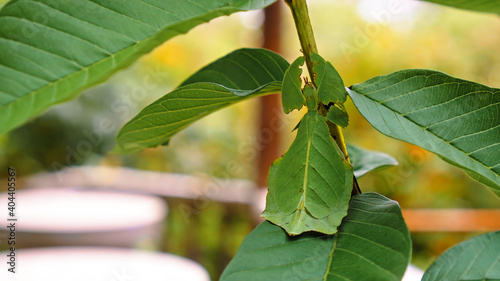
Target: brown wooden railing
459,220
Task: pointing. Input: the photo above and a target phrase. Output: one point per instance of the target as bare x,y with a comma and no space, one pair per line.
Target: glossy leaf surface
477,259
53,49
235,77
364,161
373,244
456,119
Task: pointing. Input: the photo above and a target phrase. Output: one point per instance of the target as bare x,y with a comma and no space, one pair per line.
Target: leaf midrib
185,121
330,260
83,69
430,132
226,101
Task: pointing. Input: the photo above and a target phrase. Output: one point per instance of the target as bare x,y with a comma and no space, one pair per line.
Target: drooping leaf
242,69
291,90
310,186
53,49
477,259
235,77
364,161
338,115
373,244
456,119
330,85
487,6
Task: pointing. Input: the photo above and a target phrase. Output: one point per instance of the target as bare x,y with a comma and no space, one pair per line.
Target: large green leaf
364,161
477,259
488,6
373,244
310,186
237,76
53,49
456,119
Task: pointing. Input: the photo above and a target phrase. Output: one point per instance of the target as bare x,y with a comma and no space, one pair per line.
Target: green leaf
310,186
487,6
338,115
237,76
364,161
330,85
53,49
291,90
453,118
477,259
373,244
242,69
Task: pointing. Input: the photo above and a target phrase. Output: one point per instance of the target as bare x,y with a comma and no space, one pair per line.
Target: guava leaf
291,90
373,244
329,84
364,161
456,119
237,76
242,69
53,49
477,259
487,6
310,186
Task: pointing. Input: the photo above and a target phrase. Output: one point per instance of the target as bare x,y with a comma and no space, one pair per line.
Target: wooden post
269,133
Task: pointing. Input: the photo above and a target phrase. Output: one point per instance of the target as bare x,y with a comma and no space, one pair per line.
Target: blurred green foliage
457,42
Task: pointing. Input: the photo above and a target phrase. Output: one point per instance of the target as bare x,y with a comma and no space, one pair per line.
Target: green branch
303,25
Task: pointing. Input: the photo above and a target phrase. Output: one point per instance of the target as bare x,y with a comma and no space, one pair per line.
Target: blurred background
361,40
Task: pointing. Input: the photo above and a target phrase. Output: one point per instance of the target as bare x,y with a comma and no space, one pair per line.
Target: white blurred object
83,217
101,264
389,11
400,15
252,19
413,273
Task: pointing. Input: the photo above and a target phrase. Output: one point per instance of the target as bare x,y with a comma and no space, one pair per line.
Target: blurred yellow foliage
171,54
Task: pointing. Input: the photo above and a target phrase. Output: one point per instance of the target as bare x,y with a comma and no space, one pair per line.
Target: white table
84,217
100,264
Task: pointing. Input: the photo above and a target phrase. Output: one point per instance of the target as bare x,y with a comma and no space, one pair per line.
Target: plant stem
303,25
